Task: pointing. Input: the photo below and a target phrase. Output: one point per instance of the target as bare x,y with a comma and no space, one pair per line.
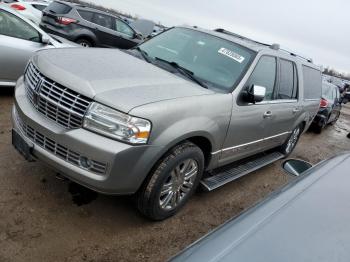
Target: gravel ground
41,221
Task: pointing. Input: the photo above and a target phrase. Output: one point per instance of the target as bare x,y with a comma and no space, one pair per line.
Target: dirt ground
39,221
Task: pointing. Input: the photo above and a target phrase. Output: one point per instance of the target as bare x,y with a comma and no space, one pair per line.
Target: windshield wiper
143,54
184,71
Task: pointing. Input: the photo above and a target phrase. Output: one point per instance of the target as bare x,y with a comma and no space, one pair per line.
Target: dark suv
88,27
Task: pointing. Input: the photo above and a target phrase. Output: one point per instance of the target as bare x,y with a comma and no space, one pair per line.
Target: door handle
296,110
267,114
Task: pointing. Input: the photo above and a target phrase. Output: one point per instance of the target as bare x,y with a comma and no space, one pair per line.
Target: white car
31,10
20,38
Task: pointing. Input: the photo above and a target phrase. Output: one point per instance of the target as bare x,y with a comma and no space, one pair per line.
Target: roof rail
272,46
297,55
221,30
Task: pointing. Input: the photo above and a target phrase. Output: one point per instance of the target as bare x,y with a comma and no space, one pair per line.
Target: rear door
127,36
285,108
18,42
104,30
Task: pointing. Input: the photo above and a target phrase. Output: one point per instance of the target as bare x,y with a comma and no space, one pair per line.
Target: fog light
85,162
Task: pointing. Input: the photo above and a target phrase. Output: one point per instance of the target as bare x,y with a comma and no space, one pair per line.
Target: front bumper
126,166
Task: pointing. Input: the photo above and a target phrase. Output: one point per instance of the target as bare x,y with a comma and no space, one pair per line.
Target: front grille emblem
36,93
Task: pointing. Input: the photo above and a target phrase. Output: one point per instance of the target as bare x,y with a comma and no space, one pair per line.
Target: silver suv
188,107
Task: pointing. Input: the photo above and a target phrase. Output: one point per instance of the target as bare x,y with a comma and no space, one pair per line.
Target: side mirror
295,167
138,36
255,94
45,39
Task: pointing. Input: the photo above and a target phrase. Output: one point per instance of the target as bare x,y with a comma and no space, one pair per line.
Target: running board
230,174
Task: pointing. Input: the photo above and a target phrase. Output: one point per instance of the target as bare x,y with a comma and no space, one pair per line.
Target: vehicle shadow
6,91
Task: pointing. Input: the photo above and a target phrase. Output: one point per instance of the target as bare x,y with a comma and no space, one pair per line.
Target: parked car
330,106
305,221
87,26
31,10
19,40
152,120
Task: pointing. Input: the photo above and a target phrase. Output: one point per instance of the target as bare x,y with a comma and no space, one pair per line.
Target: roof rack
272,46
297,55
221,30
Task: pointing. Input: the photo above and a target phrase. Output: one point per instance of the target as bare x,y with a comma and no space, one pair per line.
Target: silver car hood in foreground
113,77
306,221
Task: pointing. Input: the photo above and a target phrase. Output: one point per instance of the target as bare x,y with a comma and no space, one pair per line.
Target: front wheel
172,182
288,147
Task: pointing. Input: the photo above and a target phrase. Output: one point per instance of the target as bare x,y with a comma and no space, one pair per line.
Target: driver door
18,41
249,122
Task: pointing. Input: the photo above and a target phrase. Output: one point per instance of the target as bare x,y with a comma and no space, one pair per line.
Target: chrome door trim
312,99
278,101
250,143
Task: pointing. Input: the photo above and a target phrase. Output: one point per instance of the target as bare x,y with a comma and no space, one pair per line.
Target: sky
316,29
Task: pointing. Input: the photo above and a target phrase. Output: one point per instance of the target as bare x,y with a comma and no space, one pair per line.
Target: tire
288,146
167,189
84,42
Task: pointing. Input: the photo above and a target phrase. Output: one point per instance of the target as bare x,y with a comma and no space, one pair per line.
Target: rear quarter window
59,8
87,15
312,83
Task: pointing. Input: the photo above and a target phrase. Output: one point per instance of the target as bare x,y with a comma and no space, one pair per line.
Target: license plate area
22,146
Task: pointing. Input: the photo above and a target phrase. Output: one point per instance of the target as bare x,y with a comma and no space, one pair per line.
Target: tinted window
13,26
217,62
264,75
124,28
86,15
288,80
312,83
39,7
103,20
59,8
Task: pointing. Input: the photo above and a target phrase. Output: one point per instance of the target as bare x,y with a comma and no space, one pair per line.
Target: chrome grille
58,150
62,105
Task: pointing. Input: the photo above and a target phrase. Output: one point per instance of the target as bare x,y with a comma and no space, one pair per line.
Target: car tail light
323,103
65,20
18,7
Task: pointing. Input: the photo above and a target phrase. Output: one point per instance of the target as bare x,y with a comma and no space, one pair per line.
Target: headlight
117,125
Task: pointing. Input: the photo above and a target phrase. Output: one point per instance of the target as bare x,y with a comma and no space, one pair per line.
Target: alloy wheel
178,185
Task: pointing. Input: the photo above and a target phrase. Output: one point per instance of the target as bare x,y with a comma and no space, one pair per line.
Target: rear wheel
84,42
172,182
288,147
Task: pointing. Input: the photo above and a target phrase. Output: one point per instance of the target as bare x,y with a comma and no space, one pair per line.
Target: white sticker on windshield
231,54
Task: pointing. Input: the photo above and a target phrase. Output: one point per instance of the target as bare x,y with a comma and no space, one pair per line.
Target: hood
112,77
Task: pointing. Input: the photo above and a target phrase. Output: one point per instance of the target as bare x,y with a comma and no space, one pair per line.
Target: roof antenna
275,47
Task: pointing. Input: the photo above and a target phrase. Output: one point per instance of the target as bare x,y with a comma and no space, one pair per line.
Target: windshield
215,61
